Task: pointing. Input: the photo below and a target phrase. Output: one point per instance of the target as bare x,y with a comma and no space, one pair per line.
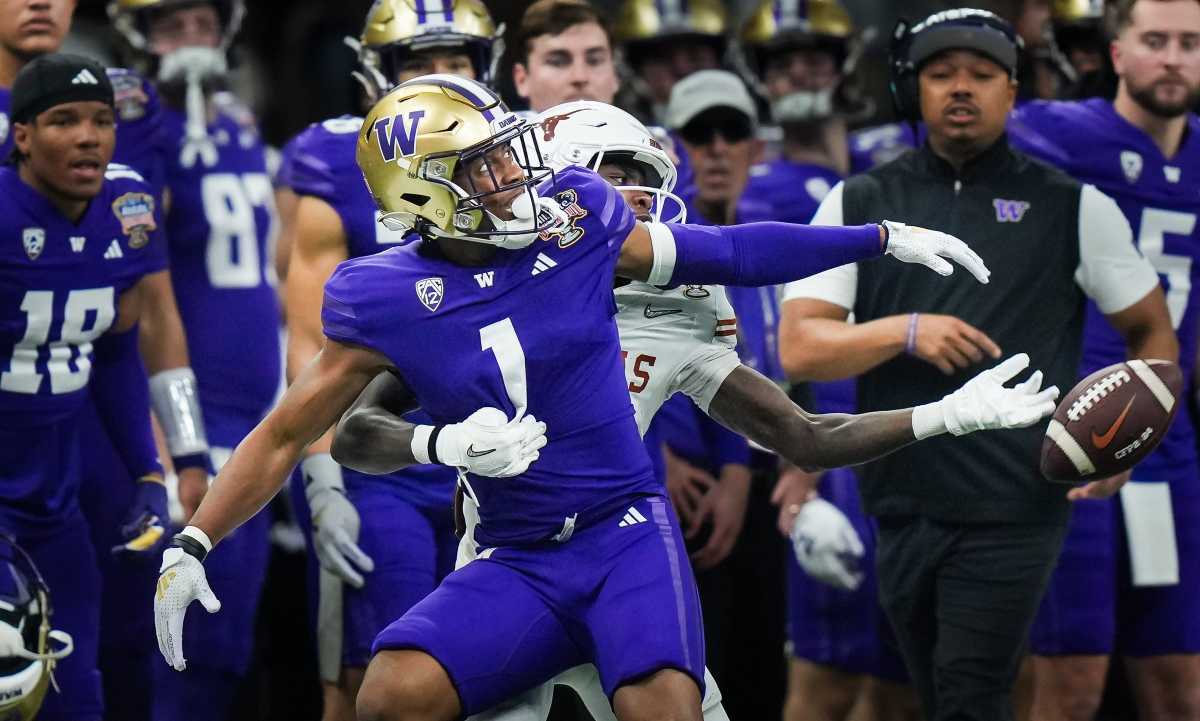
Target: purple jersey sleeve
121,392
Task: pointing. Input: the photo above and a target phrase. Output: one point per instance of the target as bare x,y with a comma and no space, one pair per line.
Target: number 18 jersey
530,331
1159,196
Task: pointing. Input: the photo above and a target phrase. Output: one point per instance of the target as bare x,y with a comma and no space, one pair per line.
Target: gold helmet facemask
414,142
29,648
396,29
778,27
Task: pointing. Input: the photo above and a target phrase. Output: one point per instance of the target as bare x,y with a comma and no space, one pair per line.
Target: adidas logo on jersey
84,77
631,518
543,263
114,251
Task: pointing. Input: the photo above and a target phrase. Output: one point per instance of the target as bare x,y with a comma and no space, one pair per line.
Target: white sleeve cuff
836,285
663,243
1111,270
198,536
420,444
927,420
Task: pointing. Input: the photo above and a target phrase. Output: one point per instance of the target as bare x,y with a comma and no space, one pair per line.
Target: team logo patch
135,211
430,292
1171,173
1009,211
34,240
397,134
1131,165
550,123
129,97
569,232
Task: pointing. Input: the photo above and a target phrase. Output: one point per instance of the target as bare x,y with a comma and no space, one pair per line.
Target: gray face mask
191,66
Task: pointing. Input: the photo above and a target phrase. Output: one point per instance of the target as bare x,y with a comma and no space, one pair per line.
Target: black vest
1022,218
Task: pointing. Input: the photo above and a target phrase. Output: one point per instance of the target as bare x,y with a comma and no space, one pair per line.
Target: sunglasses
732,128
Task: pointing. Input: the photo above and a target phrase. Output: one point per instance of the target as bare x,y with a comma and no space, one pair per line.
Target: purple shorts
619,593
845,630
1091,606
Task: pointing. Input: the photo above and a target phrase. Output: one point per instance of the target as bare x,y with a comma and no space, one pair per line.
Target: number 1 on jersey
501,338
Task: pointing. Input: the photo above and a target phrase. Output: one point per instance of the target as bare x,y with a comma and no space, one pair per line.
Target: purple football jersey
793,190
880,144
320,162
530,331
59,286
220,229
1089,140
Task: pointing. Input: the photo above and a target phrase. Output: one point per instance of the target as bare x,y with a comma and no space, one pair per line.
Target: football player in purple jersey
87,245
221,224
368,575
1128,579
478,208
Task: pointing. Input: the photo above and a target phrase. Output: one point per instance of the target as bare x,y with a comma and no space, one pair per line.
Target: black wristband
433,456
190,546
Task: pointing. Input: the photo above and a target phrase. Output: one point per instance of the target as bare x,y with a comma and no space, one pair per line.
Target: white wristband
198,536
420,444
663,242
927,420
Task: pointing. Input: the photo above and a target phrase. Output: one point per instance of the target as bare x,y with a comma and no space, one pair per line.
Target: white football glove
487,443
334,519
983,403
827,546
930,248
181,580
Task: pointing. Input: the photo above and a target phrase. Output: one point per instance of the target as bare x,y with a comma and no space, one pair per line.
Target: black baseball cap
966,28
54,79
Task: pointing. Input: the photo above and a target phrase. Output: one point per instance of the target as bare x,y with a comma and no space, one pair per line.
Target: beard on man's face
1148,97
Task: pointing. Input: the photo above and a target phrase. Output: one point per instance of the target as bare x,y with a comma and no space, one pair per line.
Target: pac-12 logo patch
397,134
135,211
430,291
34,240
568,232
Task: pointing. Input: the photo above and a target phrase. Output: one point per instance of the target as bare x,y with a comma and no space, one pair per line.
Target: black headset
971,22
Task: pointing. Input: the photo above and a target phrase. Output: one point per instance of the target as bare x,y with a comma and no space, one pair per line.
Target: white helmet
590,133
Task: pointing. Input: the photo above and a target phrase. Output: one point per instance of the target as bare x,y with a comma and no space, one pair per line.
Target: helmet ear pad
903,78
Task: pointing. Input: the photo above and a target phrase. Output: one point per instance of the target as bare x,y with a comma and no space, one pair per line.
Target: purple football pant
1091,606
619,593
845,630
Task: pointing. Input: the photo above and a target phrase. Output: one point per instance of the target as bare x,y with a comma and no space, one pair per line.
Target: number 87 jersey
1159,197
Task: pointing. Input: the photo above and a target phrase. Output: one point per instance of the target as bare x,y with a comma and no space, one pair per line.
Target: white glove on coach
827,546
181,580
487,443
983,403
910,244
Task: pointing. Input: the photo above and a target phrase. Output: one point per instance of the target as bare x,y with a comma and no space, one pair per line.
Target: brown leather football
1111,420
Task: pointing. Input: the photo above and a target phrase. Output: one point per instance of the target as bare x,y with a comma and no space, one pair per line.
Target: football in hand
1111,420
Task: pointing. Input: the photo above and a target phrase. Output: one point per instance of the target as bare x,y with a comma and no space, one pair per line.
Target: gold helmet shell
415,139
396,28
1073,11
642,20
773,19
129,19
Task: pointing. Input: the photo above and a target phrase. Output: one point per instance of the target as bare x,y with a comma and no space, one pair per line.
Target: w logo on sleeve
398,134
1009,211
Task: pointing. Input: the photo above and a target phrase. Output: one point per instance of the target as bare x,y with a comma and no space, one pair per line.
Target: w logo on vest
398,133
1009,211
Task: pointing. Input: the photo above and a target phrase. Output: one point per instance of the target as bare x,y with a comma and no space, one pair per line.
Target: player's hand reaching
686,485
827,546
984,403
724,506
1101,489
487,443
181,580
144,522
933,249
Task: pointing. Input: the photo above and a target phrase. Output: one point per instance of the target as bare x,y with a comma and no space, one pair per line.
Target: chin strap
193,65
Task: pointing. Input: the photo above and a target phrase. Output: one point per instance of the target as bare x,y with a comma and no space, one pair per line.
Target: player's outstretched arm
770,253
752,405
372,437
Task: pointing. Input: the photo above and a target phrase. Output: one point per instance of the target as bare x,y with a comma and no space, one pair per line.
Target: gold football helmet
643,20
129,18
414,142
777,26
1069,11
29,648
395,29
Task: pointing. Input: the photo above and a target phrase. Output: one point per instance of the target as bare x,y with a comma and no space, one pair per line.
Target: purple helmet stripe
421,12
463,89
